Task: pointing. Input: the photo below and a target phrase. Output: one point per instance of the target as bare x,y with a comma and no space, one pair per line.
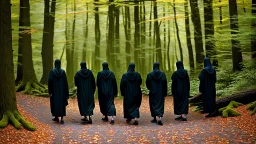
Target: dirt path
197,129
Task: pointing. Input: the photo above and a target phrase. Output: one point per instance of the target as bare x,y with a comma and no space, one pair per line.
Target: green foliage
229,111
252,106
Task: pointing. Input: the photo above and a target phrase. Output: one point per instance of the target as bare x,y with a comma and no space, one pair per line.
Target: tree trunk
177,31
236,48
136,33
8,103
253,25
74,59
117,40
110,44
197,31
84,58
243,97
209,29
188,36
220,11
158,40
143,39
165,43
29,82
127,29
47,44
97,36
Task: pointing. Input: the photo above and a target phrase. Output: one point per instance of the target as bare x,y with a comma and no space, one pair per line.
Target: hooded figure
180,91
130,89
157,85
207,79
58,91
85,82
107,90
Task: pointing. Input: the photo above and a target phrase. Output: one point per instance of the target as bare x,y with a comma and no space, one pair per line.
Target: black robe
157,85
107,90
130,89
207,87
58,88
180,90
85,82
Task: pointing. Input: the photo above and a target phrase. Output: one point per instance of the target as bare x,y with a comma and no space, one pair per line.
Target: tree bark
157,34
111,35
29,82
97,36
177,31
197,31
253,27
127,29
236,48
209,29
48,36
117,40
8,103
84,58
188,36
220,11
137,44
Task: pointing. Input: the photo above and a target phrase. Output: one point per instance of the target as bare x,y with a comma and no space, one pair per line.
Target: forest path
197,129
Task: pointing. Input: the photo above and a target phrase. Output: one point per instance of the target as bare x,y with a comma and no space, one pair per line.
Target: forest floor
197,129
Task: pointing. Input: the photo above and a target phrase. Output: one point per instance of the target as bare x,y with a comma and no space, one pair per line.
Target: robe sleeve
165,87
148,82
115,85
122,85
93,83
50,82
174,77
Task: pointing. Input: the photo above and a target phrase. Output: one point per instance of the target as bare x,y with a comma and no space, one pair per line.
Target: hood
84,72
156,74
207,66
105,72
180,69
131,74
57,71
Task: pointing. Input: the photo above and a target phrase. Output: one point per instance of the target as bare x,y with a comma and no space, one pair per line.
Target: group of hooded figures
131,81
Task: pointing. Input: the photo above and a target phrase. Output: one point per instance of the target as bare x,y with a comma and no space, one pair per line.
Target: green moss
4,121
229,111
13,120
25,124
252,106
28,88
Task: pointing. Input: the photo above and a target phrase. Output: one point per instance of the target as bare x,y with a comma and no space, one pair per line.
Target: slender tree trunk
177,31
236,48
151,59
143,39
29,81
97,36
20,47
188,36
48,36
165,43
168,46
197,31
117,39
136,33
253,26
111,28
127,30
84,58
69,55
158,40
220,10
74,59
209,29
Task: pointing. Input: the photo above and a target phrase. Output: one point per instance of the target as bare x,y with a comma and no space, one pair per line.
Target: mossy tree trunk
29,82
117,40
8,104
197,31
253,27
188,36
236,48
48,36
84,58
111,35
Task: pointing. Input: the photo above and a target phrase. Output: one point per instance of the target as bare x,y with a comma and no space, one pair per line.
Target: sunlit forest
142,32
